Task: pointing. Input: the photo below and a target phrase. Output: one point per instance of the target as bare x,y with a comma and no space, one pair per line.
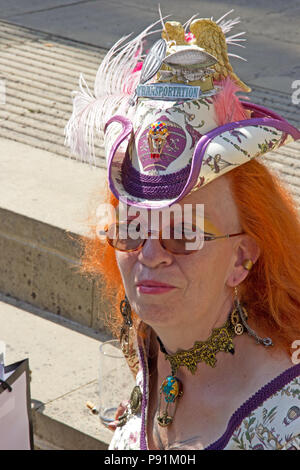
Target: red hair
270,216
271,291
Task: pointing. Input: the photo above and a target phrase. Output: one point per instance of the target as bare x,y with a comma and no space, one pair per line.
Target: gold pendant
164,420
235,320
239,329
135,403
172,390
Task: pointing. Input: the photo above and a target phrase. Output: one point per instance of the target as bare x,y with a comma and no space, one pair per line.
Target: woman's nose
153,254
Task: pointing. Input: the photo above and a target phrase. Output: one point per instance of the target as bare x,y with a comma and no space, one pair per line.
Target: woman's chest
196,424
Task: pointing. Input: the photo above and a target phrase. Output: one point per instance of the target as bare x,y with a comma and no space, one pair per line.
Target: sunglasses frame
216,237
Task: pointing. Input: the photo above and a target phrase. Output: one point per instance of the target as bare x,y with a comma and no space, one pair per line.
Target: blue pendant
171,388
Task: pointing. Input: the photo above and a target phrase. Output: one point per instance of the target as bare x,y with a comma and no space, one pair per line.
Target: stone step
63,359
40,72
45,203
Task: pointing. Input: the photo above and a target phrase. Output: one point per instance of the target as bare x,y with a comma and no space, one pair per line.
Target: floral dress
268,420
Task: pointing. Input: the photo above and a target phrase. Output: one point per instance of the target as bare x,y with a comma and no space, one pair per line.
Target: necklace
202,351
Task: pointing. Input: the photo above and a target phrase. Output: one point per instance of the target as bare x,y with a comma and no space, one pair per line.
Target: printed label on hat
169,92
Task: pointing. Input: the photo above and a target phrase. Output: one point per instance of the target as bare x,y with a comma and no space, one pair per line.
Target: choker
202,351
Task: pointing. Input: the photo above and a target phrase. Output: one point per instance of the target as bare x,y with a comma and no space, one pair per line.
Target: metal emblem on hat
188,64
157,137
184,74
151,64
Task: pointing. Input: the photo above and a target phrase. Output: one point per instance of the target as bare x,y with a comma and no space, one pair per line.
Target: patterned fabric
269,420
137,177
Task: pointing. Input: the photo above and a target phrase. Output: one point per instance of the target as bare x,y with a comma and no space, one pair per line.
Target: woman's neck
192,328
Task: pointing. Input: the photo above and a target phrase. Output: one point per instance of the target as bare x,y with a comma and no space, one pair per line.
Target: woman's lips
153,287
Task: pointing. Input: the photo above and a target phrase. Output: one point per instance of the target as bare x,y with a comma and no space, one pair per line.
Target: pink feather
228,107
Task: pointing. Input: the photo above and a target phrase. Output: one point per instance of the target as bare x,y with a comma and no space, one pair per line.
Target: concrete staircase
48,311
57,320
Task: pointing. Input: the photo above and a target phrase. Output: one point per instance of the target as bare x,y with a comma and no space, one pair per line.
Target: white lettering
296,93
295,358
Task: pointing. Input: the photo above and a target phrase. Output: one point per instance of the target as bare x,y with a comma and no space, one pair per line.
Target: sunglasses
128,237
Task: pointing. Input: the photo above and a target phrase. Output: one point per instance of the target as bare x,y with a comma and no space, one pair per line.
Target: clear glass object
116,380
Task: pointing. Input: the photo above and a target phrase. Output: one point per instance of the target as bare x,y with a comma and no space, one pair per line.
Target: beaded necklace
202,351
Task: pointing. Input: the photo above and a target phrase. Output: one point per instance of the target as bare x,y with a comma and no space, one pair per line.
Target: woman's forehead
214,202
218,203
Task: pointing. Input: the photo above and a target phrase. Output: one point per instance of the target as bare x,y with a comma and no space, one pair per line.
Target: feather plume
227,105
117,77
226,26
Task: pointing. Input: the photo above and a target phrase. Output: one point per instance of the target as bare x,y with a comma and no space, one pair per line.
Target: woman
208,331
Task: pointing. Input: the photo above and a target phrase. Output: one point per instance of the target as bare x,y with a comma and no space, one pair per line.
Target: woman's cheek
126,263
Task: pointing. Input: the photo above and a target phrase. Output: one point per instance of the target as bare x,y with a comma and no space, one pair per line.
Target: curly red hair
271,291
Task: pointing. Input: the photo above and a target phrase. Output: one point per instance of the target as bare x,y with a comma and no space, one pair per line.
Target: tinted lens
184,239
124,237
178,239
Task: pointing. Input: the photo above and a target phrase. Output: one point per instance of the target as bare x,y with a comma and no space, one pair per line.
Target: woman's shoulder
270,419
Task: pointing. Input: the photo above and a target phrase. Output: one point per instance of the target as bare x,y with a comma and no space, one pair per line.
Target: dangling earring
125,310
236,317
243,316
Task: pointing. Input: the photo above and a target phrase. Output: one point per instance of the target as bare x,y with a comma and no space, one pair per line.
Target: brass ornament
236,322
164,420
208,36
248,264
238,329
243,315
133,408
171,388
136,400
204,351
125,310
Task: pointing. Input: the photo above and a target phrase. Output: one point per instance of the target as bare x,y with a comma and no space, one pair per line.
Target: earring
125,310
243,316
235,316
247,264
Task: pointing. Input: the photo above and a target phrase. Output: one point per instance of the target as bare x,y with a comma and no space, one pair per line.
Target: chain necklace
202,351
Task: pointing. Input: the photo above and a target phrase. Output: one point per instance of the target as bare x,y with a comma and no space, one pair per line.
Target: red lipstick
153,287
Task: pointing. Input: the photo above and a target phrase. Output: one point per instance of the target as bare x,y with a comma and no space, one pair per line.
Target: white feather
233,40
237,56
114,84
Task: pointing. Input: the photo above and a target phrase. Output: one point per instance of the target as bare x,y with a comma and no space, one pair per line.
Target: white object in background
2,359
16,430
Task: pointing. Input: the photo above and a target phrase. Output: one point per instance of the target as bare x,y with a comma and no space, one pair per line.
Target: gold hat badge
207,38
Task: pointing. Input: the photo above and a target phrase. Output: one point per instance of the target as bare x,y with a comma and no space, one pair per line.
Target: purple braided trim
155,193
153,187
131,173
143,441
254,402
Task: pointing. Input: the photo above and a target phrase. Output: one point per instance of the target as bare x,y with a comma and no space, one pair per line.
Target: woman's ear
247,249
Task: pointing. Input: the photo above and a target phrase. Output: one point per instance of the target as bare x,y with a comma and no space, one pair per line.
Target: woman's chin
155,313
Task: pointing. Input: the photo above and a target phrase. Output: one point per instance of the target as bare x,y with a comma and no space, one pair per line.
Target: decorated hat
172,121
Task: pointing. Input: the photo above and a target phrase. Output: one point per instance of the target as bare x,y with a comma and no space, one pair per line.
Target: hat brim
217,152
